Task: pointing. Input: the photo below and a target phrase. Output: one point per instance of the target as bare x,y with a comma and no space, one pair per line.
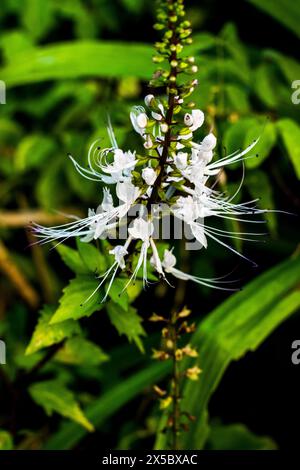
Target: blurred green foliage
66,65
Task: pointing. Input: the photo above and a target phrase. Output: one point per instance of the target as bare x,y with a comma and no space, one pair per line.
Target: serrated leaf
91,256
79,351
45,335
74,302
108,404
127,323
290,133
55,397
72,259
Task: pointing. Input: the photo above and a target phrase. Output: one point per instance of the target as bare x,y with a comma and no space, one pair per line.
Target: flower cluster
177,167
184,182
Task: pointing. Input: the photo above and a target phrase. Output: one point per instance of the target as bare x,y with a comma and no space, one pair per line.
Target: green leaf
234,137
79,59
286,12
290,134
238,325
108,404
48,187
91,256
79,351
263,83
13,42
267,139
6,442
74,302
127,322
54,397
237,437
259,186
288,66
45,335
37,17
33,151
118,294
237,98
72,259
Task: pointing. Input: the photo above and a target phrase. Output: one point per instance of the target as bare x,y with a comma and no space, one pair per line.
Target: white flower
180,160
148,144
149,176
127,192
139,119
148,99
119,252
194,120
107,202
208,143
169,261
141,229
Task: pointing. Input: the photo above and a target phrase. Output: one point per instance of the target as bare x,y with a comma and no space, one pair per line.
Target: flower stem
175,419
171,85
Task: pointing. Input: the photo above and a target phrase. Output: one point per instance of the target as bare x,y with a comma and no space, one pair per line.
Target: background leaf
54,397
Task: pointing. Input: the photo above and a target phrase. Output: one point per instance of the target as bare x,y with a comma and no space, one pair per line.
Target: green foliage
235,327
80,59
237,437
75,302
6,442
79,351
290,134
127,322
91,257
55,397
105,406
63,77
46,335
286,12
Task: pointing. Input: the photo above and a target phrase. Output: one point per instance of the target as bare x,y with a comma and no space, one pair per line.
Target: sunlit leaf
127,322
74,302
46,335
290,134
78,350
55,397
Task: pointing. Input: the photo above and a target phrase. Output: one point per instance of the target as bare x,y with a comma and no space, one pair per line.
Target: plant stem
170,110
175,385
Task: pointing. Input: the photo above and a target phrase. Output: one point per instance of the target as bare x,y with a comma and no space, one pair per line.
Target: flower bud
142,120
149,99
209,142
149,176
188,120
